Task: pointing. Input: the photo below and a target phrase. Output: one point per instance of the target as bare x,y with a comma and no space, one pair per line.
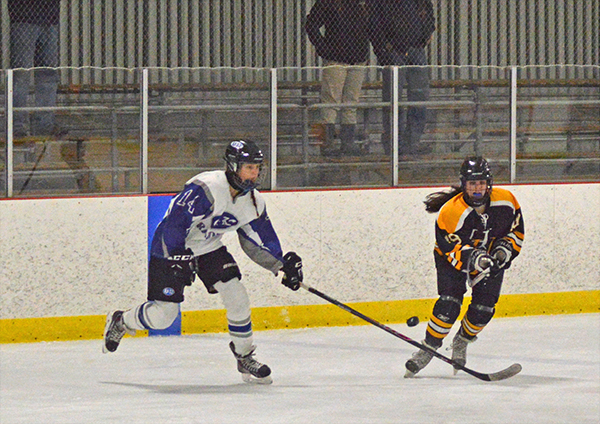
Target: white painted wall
68,257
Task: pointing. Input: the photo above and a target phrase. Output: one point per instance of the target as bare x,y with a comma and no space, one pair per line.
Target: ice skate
419,360
114,330
459,350
252,370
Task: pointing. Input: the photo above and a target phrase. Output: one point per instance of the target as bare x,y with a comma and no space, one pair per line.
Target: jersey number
184,200
515,222
453,238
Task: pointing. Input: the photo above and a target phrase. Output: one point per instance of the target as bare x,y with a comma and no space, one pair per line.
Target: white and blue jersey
199,215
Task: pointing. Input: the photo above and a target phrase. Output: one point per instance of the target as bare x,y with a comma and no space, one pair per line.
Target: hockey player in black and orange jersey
479,232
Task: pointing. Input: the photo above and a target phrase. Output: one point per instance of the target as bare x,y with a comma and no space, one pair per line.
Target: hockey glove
181,267
482,263
292,271
501,252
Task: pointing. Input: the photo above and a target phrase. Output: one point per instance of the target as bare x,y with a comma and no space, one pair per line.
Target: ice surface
323,375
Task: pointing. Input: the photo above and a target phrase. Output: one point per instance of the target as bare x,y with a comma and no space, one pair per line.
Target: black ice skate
114,330
252,370
419,360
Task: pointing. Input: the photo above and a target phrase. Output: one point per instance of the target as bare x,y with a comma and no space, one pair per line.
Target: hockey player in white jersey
187,242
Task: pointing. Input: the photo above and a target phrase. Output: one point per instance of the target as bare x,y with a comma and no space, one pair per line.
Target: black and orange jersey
459,228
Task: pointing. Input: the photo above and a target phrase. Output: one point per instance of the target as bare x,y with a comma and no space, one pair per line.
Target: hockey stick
37,162
511,371
482,275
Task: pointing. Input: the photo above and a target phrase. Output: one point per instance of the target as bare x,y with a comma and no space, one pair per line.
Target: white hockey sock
156,315
237,303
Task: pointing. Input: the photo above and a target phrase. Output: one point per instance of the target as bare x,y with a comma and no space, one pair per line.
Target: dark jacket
345,23
37,12
399,25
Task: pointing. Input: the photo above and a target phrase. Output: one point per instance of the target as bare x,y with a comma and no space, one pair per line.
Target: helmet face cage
237,153
475,168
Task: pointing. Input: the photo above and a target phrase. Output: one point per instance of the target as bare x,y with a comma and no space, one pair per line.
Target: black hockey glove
292,271
181,267
501,252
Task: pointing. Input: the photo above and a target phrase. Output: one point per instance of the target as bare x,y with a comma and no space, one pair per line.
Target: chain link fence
272,33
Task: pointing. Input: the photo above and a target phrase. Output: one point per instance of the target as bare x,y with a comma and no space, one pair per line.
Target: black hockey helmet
472,169
237,153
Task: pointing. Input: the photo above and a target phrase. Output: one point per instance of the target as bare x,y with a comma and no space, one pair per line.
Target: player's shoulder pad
210,177
503,197
199,194
453,214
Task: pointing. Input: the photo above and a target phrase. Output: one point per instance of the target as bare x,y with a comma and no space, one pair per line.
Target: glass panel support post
513,125
273,146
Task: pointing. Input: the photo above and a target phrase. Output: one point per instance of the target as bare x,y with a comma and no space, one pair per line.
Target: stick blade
509,372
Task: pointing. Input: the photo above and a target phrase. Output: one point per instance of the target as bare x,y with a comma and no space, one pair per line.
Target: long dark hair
435,201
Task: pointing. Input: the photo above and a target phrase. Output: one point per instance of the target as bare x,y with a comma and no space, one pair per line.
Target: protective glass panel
89,142
193,114
322,144
467,114
3,188
558,124
76,131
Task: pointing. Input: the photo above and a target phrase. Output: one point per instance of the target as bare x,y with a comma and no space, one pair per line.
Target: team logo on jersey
224,221
168,291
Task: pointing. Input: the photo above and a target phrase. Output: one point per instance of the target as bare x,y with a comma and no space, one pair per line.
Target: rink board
67,262
300,316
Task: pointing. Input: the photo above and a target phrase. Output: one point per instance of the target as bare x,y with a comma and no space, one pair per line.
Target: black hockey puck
412,321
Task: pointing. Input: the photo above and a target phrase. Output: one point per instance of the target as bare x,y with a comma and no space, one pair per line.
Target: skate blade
409,374
250,379
456,370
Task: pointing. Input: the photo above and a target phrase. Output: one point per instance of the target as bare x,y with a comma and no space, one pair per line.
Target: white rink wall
85,256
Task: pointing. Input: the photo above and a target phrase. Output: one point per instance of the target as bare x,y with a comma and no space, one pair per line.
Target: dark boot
329,148
347,137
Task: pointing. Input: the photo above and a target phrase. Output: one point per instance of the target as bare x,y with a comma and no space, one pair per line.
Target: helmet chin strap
247,187
242,187
476,201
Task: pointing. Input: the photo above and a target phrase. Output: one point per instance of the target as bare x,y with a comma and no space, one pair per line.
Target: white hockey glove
481,262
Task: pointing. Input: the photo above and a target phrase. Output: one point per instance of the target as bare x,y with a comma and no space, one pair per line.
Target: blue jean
412,120
34,46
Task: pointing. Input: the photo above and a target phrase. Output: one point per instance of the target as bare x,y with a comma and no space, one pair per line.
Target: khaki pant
341,83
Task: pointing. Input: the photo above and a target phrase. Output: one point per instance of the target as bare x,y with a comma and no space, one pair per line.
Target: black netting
272,33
